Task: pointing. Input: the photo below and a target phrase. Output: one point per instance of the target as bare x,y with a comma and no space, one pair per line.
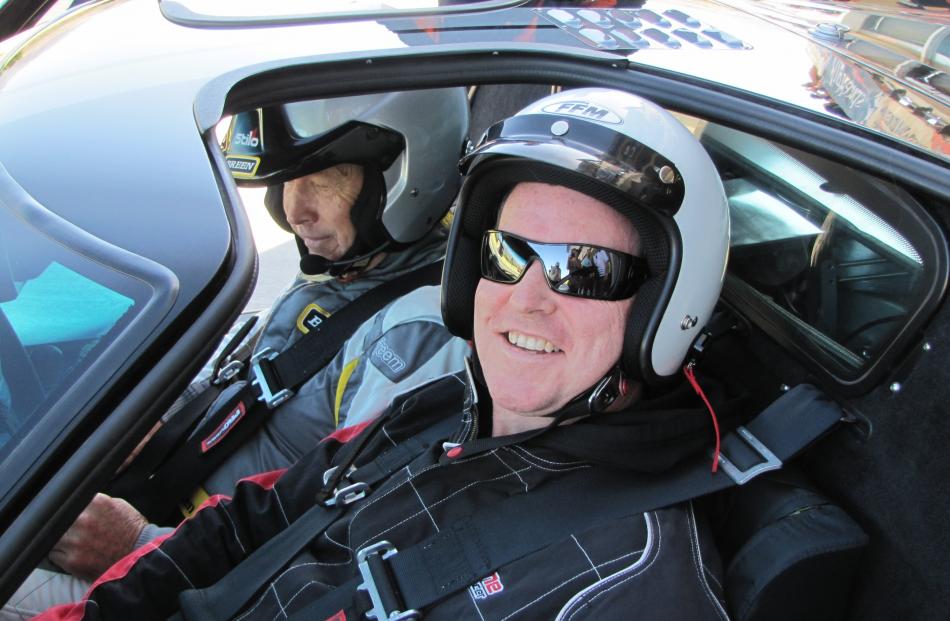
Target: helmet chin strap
613,386
608,390
312,264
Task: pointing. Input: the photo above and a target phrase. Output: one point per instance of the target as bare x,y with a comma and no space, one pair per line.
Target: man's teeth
530,342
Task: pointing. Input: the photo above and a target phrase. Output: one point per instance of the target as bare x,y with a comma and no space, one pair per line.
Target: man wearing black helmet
496,493
363,186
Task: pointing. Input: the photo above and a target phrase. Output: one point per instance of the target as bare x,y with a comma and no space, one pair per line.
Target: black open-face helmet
407,143
634,156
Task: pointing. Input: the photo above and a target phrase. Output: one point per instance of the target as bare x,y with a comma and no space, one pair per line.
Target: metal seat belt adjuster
344,494
260,371
769,460
228,371
367,558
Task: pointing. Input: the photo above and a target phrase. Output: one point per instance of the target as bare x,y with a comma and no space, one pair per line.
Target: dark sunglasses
581,270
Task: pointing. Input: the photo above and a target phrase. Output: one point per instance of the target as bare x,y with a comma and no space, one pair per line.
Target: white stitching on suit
651,552
280,505
172,561
520,448
523,482
227,514
697,558
421,502
438,502
587,556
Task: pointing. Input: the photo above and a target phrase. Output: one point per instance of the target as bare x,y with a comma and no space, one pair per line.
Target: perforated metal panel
637,29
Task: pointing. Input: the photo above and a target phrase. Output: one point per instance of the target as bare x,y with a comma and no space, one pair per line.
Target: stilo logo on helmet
247,140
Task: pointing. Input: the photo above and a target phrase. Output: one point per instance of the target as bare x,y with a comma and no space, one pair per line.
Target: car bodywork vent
627,30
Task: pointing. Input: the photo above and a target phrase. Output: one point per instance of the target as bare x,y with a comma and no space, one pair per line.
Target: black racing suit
657,565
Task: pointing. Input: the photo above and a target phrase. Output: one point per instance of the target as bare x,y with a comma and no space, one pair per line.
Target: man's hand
103,533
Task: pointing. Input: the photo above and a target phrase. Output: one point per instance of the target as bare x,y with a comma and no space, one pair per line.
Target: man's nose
531,294
296,204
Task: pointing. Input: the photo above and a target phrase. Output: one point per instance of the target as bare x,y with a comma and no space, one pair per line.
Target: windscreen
59,311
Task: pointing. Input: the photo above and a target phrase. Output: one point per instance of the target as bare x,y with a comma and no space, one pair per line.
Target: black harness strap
472,548
221,601
274,377
221,374
226,597
295,365
469,550
156,450
179,425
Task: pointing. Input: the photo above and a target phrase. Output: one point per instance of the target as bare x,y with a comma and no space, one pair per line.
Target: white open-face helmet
634,156
407,142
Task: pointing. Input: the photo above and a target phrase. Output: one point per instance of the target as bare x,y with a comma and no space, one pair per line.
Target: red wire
688,371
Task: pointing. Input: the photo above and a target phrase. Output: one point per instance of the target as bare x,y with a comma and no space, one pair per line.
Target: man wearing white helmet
500,492
363,186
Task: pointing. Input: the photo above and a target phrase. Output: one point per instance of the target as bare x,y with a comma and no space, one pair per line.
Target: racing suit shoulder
404,346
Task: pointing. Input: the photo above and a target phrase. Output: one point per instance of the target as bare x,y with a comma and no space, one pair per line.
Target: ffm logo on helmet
584,110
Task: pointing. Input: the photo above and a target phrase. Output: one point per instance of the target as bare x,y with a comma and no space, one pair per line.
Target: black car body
125,253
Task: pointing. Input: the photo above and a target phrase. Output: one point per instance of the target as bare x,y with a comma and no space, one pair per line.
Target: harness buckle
769,460
346,491
373,556
329,473
261,370
228,371
348,494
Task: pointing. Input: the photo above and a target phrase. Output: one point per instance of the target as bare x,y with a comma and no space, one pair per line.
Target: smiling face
539,349
318,207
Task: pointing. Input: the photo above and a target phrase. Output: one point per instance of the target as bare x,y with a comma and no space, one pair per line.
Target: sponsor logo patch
230,422
311,317
243,165
486,587
384,354
584,110
249,139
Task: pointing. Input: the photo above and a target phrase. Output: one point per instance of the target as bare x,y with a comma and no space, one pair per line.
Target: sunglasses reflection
581,270
588,272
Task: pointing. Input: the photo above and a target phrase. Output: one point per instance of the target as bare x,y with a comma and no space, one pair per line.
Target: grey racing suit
401,347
